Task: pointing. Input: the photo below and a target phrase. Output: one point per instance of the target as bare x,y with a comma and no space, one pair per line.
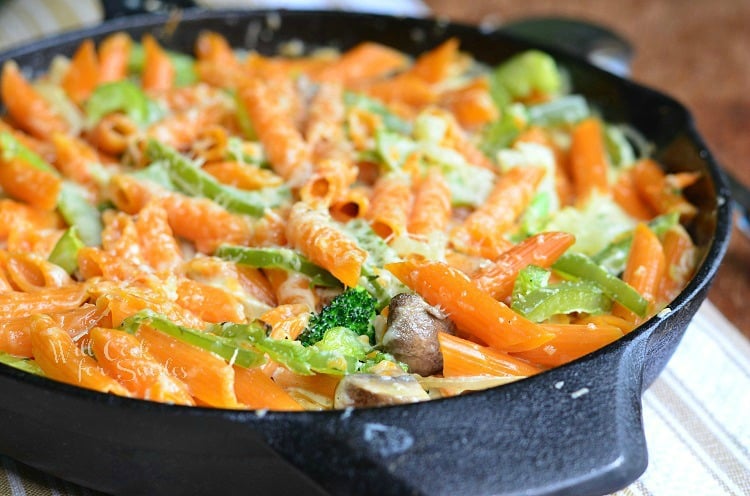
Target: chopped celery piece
582,267
499,134
184,65
567,109
536,215
123,96
619,149
20,363
615,255
278,258
595,225
12,148
390,121
191,180
393,148
65,251
537,301
524,74
225,348
78,212
380,283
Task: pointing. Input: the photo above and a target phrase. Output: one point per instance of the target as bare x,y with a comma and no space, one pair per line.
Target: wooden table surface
697,51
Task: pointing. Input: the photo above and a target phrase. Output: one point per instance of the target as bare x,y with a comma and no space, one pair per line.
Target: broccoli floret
353,309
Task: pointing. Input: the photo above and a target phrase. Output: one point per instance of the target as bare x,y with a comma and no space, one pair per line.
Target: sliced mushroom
363,390
411,334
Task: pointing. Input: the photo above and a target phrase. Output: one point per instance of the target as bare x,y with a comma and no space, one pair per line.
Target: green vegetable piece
614,257
537,301
499,134
20,363
567,109
193,181
619,149
219,345
79,213
393,148
123,96
12,148
536,215
353,309
390,121
65,251
298,358
580,266
278,258
184,65
526,73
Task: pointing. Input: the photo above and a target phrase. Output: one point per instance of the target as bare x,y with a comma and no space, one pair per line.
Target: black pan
574,430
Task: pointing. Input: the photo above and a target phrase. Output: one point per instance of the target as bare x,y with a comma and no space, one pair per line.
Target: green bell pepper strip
65,251
278,258
562,298
12,148
193,181
20,363
339,355
219,345
79,213
614,257
580,266
123,96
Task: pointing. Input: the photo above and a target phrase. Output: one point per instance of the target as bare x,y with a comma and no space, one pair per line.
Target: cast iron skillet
573,430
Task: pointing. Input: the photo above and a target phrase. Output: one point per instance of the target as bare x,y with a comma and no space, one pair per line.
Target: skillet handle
572,430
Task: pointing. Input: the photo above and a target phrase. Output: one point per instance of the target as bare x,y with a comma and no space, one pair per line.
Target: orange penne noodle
29,110
318,389
432,205
292,288
679,262
272,107
204,222
158,72
208,377
625,193
351,204
36,187
60,359
156,242
242,176
472,310
498,277
644,269
15,334
325,117
311,232
19,304
30,272
471,104
364,62
465,358
331,179
114,52
571,341
83,73
390,205
482,233
256,390
403,89
129,194
287,321
210,144
437,64
657,192
209,303
123,357
73,157
114,133
588,159
15,213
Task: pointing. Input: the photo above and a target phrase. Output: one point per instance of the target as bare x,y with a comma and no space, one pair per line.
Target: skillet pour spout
575,429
